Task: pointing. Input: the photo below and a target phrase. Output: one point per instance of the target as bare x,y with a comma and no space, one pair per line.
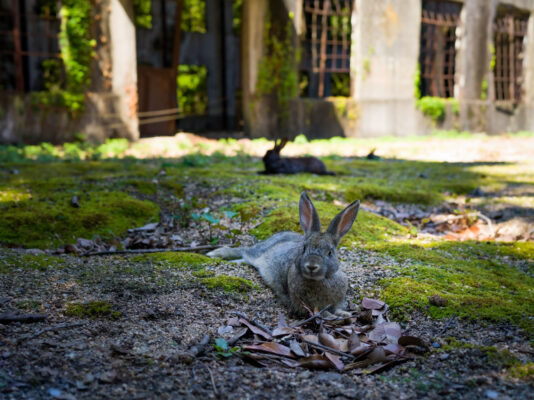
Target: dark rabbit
274,164
302,270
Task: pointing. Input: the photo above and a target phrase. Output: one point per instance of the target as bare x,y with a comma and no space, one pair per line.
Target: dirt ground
136,351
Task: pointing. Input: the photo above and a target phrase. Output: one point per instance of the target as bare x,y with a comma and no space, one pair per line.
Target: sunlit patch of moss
30,261
523,371
14,195
475,278
202,273
51,221
367,228
142,185
175,187
175,260
229,284
93,309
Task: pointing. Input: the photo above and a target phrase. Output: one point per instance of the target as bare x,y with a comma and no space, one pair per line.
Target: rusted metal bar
322,60
17,53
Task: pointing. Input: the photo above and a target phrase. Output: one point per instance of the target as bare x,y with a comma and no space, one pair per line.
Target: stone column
124,64
252,48
473,60
386,54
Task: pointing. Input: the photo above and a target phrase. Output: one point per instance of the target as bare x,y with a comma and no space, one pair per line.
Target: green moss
92,309
367,228
202,273
228,283
478,280
523,371
175,259
29,261
46,222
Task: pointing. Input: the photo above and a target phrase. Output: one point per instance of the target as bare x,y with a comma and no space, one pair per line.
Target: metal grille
438,51
327,40
28,36
509,33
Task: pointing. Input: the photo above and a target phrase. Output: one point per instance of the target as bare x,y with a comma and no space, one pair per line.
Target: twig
8,318
447,326
329,349
213,382
253,322
488,221
50,329
141,251
314,316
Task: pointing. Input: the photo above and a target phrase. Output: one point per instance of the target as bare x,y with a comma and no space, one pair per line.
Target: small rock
437,300
492,394
436,345
35,252
444,356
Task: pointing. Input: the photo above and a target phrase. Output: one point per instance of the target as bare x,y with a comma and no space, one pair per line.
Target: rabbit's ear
342,222
309,219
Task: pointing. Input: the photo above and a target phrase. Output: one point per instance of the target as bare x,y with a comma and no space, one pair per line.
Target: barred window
437,55
325,66
29,46
509,34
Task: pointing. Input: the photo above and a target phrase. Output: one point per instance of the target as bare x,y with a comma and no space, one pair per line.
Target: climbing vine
76,54
143,13
277,74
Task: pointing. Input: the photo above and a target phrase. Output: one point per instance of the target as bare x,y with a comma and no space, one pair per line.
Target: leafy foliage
194,16
76,53
277,74
192,89
143,13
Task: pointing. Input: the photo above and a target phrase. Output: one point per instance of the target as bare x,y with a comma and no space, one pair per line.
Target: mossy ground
479,279
92,309
228,283
10,262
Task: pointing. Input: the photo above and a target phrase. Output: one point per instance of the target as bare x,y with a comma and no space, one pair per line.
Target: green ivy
417,82
277,74
143,13
76,54
194,16
192,89
435,107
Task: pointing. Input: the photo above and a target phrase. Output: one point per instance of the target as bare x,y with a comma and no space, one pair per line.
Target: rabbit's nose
312,268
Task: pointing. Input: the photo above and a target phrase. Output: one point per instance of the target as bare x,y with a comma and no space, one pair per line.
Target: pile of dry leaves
366,342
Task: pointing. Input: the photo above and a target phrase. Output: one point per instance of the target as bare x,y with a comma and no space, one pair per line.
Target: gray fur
302,269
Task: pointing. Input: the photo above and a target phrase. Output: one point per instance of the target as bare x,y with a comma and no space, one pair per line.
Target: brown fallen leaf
328,340
335,360
255,329
282,331
372,304
296,348
361,350
271,347
413,343
354,341
377,355
393,348
315,361
310,338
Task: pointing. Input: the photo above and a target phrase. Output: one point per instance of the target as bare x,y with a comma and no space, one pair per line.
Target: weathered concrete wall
21,121
253,21
124,63
386,46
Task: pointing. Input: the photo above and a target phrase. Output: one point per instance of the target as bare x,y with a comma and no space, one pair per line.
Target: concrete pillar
472,65
252,48
386,54
124,64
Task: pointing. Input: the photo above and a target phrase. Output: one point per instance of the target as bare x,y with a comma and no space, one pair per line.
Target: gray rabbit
302,270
